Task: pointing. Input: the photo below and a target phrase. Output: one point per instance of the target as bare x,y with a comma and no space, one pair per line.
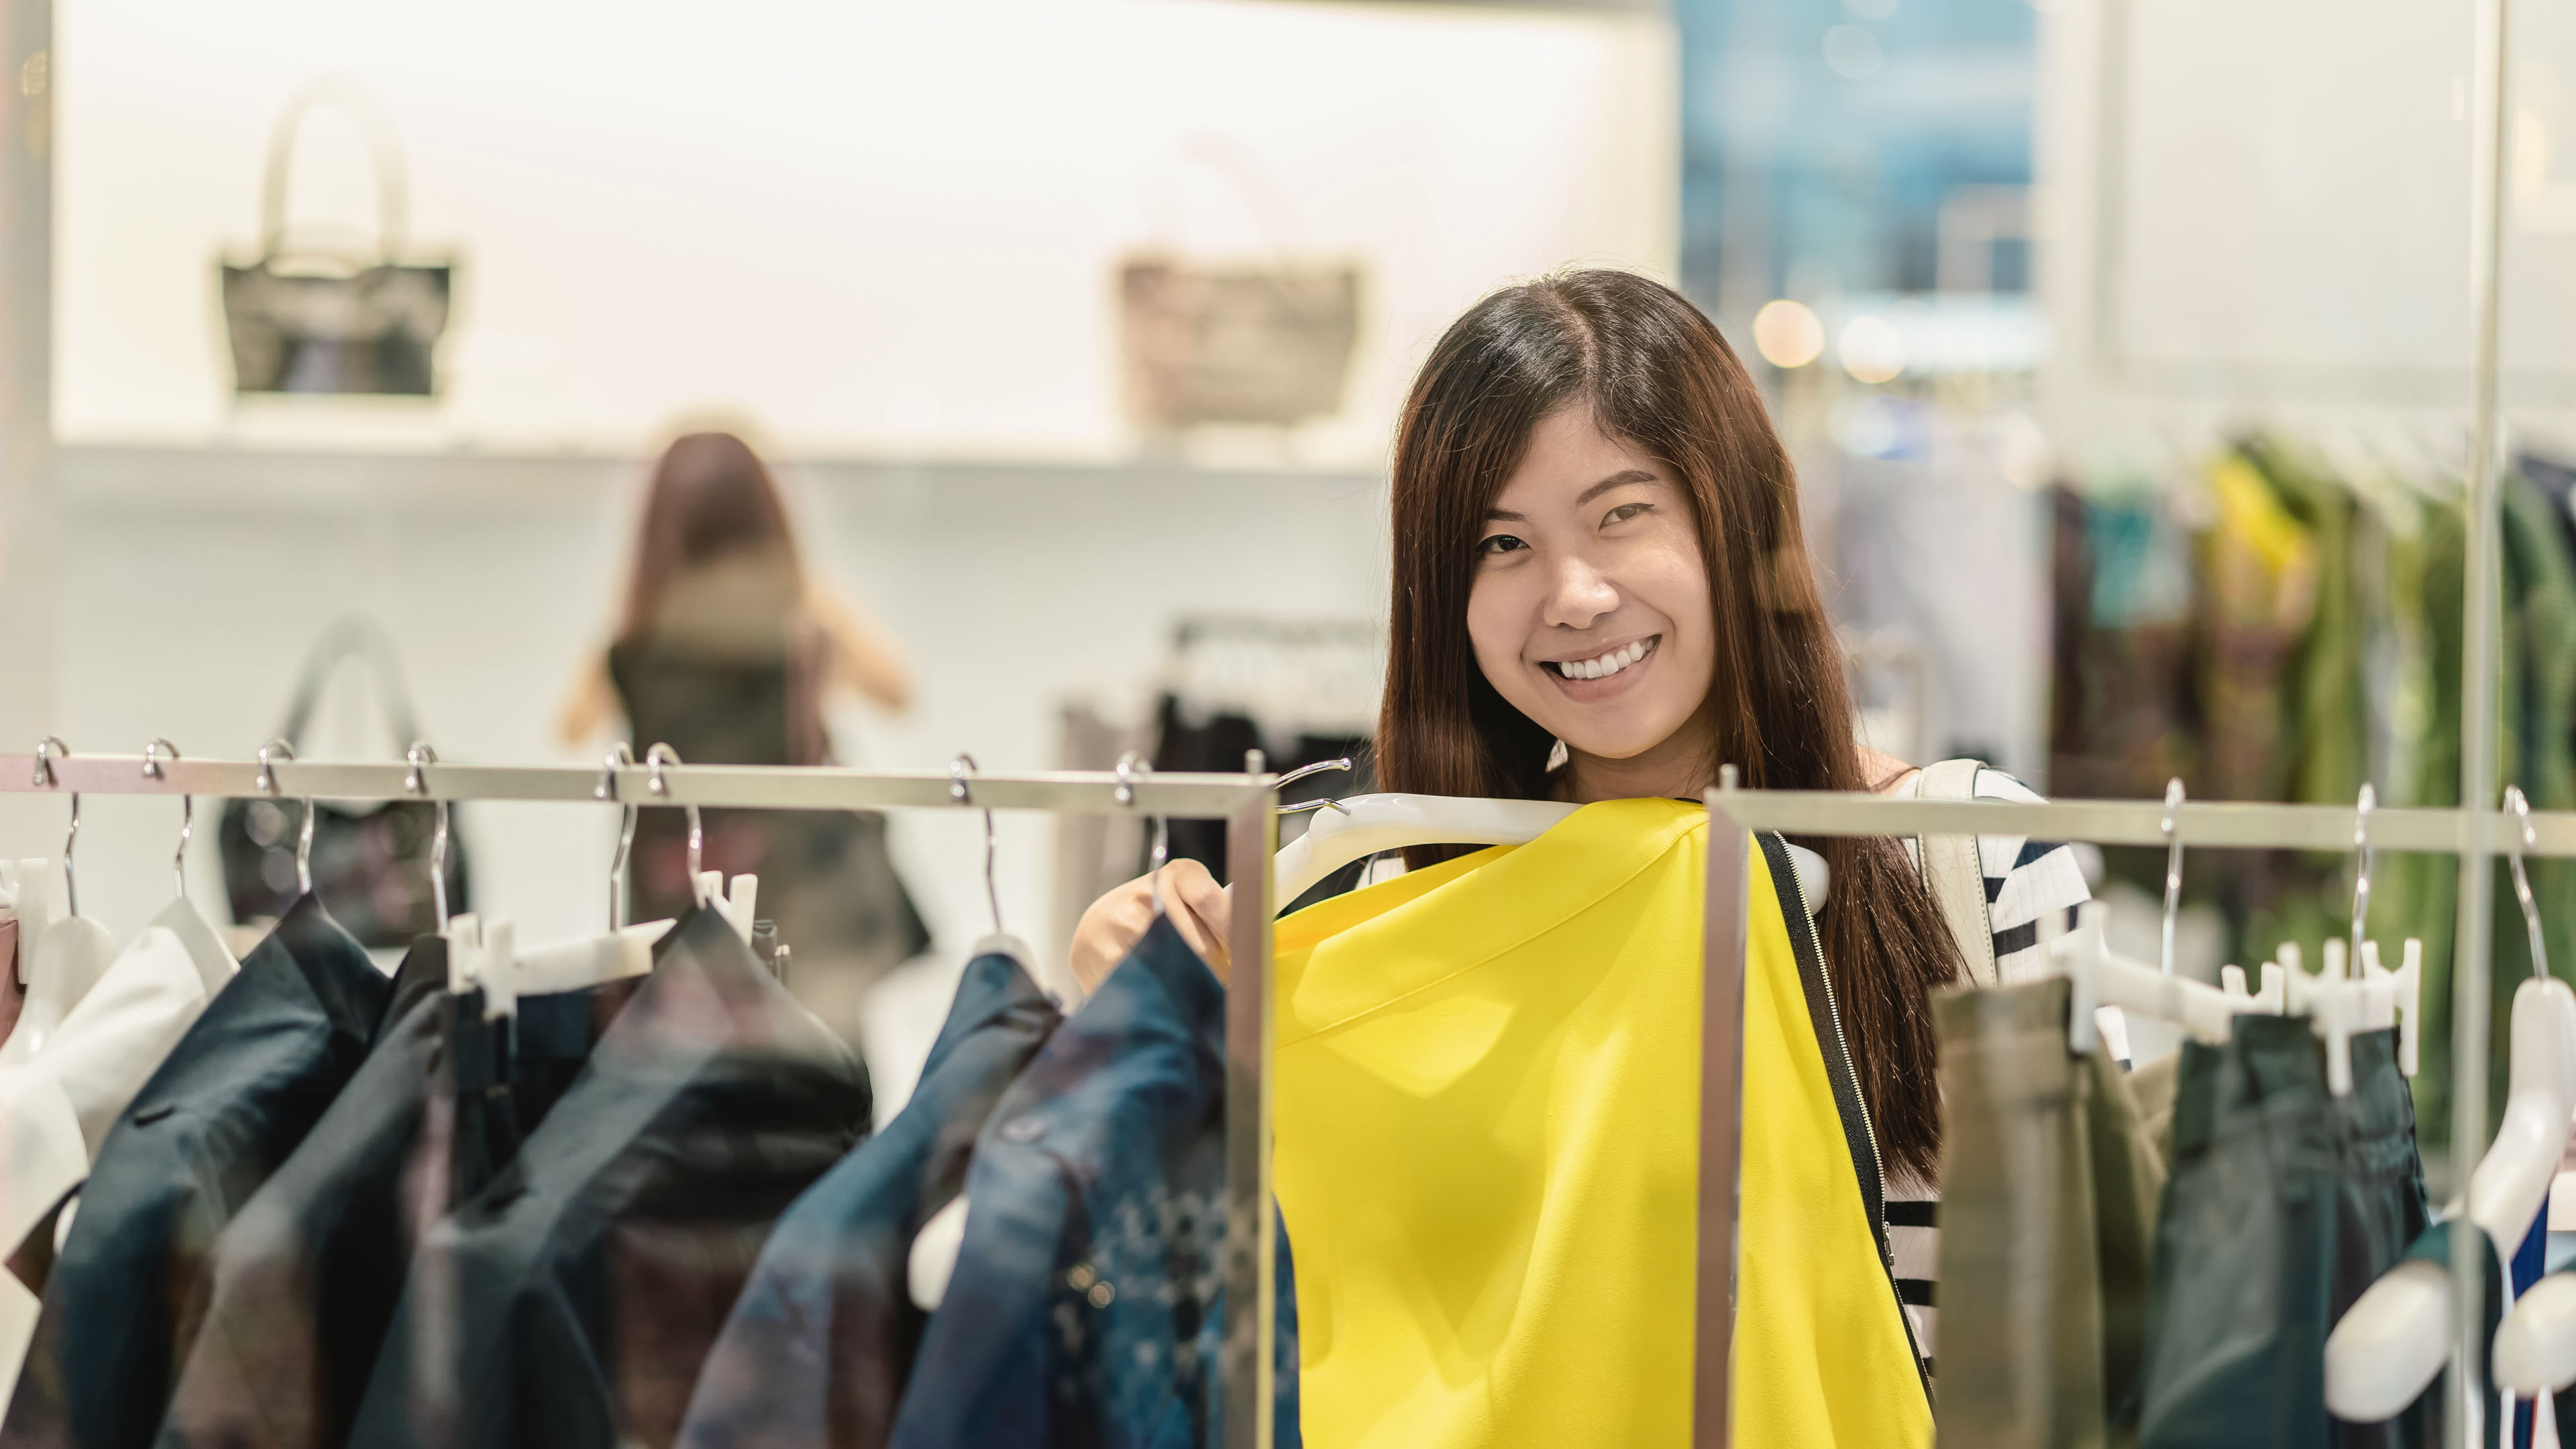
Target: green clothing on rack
2535,748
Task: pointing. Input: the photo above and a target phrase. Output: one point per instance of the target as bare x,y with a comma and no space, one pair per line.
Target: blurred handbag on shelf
344,316
370,863
1249,340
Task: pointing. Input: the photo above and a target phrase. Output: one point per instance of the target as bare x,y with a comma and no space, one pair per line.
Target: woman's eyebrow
1615,480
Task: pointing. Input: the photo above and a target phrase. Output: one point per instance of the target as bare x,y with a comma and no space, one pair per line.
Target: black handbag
341,318
370,865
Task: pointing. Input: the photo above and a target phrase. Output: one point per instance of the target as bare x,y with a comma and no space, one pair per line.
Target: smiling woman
1585,467
1487,1067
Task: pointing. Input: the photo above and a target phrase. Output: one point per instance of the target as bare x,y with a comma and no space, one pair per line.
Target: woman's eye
1498,543
1624,512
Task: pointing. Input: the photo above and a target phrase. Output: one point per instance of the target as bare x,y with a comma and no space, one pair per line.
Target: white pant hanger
2396,1337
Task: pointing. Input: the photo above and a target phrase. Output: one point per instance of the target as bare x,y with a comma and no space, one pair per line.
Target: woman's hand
1197,905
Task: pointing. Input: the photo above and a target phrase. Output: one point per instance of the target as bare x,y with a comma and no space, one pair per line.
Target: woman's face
1590,609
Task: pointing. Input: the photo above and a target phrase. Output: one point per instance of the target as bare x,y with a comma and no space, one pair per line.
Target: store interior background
2086,237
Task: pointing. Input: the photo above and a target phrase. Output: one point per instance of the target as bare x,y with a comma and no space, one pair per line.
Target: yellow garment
1487,1160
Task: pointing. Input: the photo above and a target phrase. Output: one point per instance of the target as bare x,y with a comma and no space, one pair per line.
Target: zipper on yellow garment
1786,879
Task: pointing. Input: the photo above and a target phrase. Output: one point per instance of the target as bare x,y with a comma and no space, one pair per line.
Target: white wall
193,583
2262,210
882,230
885,227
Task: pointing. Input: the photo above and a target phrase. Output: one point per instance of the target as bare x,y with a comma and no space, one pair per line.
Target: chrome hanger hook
48,749
304,832
2526,838
658,756
2362,809
959,791
620,757
153,754
2173,869
1301,772
1132,765
421,756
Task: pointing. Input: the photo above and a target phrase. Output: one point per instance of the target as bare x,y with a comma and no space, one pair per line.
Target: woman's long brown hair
711,498
1655,373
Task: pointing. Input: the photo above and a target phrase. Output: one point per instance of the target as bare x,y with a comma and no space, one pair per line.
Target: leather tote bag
1258,340
370,863
338,316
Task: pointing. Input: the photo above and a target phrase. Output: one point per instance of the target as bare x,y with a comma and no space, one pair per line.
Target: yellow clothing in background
1487,1158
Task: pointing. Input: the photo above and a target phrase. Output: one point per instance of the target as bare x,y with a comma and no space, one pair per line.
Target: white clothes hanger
59,958
2104,978
2396,1336
999,942
933,1258
736,901
1344,831
181,918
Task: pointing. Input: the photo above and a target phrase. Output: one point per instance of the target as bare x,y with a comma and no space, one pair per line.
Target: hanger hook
1301,772
2526,838
421,756
620,757
49,749
959,791
658,756
303,832
153,754
2362,808
2173,868
1131,765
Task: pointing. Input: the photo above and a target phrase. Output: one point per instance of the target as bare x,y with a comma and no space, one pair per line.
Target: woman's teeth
1607,664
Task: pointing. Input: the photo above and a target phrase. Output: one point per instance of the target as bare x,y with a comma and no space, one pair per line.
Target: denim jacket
817,1348
1086,1306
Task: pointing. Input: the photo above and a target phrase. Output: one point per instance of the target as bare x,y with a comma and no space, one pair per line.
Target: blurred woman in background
727,651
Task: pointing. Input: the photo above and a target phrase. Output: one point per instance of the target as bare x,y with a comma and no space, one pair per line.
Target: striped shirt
2037,876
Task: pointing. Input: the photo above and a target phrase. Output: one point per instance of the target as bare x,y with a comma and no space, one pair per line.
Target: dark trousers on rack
2049,1185
2283,1204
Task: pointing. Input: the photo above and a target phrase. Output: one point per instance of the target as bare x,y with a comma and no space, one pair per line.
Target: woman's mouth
1602,666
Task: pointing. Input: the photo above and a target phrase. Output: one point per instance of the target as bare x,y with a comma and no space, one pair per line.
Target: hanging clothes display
1496,1046
2283,1203
2319,630
2049,1185
573,1300
302,1286
57,1107
1086,1307
230,1102
822,1338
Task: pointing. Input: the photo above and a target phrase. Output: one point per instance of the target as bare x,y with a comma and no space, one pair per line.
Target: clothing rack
1248,802
1735,814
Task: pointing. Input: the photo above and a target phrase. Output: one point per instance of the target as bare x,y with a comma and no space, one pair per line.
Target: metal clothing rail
1735,814
1247,802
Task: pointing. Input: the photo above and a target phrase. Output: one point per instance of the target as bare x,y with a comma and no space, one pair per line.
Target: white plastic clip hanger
508,971
2536,1343
2102,978
2396,1336
736,902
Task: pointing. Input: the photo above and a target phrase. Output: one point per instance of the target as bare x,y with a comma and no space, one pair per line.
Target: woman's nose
1577,595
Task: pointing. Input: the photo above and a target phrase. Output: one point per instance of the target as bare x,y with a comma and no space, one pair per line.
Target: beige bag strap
1954,871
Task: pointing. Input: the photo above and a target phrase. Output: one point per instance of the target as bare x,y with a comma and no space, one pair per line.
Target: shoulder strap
1955,873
